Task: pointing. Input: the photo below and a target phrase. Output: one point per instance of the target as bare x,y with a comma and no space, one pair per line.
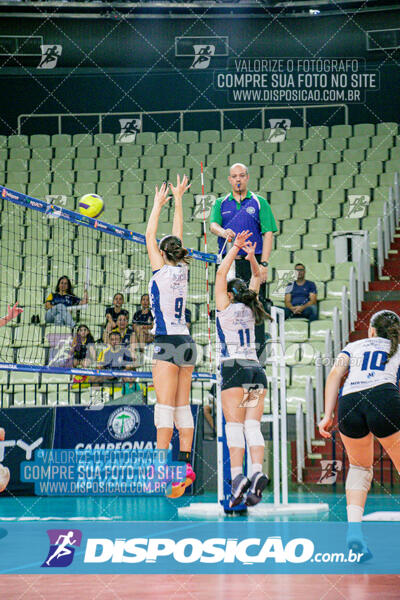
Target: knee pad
359,478
234,435
252,431
164,416
183,417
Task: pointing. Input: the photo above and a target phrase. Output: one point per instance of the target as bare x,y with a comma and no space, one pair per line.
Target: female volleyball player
243,379
174,349
369,405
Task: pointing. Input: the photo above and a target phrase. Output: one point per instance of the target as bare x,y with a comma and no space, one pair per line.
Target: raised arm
178,191
221,294
12,313
160,199
255,280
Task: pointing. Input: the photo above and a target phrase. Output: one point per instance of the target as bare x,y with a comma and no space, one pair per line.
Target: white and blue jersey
368,367
168,291
235,327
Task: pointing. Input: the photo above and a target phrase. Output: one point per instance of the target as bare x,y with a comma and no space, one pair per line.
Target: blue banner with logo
126,432
26,431
197,547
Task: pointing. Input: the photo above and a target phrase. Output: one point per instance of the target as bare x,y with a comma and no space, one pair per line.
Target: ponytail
248,297
387,325
174,251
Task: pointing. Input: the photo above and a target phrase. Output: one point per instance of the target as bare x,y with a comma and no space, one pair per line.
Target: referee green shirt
253,213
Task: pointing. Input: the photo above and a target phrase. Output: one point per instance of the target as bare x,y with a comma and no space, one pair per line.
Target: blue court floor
27,508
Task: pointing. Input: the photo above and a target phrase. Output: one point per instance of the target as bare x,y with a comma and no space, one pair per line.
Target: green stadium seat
292,353
346,168
244,147
318,131
296,330
321,225
17,164
62,153
272,171
84,164
298,170
317,182
294,183
354,155
391,166
328,256
307,158
288,242
103,139
150,162
3,141
129,188
129,163
193,162
281,212
327,307
366,129
39,141
335,143
295,226
339,183
82,187
333,211
322,169
105,164
377,154
361,142
387,128
24,153
232,135
201,148
271,184
290,146
307,196
131,150
90,176
284,196
27,335
17,141
307,207
58,164
366,180
284,158
308,256
156,174
382,192
38,190
86,151
173,162
37,164
110,176
145,138
61,139
315,144
60,187
343,131
109,151
319,329
334,288
176,150
3,153
261,159
188,137
109,188
222,148
82,139
254,172
2,165
155,150
41,153
17,177
64,176
382,141
239,158
300,374
316,241
210,135
296,133
252,134
167,137
330,156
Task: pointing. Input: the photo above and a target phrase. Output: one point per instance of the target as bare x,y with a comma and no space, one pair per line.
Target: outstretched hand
13,311
181,186
250,249
241,238
161,196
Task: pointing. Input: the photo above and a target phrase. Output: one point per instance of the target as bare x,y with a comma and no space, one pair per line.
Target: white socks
256,468
354,513
236,471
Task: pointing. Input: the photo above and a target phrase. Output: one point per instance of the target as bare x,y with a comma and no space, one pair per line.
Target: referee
243,210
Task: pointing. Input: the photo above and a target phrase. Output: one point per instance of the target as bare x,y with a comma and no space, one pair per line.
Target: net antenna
207,276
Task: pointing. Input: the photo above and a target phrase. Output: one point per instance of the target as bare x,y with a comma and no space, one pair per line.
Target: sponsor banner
197,547
124,430
26,431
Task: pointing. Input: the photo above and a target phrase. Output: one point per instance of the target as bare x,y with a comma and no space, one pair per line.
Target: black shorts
179,350
375,410
243,373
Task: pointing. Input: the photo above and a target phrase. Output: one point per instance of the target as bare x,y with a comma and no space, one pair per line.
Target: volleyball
91,205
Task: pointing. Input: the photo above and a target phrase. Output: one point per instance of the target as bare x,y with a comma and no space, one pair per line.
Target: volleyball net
40,243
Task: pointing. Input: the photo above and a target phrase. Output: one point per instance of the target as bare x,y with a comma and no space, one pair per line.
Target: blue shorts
179,350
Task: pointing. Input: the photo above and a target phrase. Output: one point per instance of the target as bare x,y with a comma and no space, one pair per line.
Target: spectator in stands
112,312
143,322
82,348
128,338
115,356
301,297
57,304
242,210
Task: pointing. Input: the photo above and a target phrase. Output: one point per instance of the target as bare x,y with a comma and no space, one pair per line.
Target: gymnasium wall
113,64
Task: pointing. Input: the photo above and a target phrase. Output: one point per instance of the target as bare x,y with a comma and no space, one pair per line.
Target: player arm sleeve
267,219
215,216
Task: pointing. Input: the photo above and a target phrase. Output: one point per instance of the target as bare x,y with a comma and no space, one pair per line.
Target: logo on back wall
129,129
201,49
50,55
62,547
202,56
278,131
123,423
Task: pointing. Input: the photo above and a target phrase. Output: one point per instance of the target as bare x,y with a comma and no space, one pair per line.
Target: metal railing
181,114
